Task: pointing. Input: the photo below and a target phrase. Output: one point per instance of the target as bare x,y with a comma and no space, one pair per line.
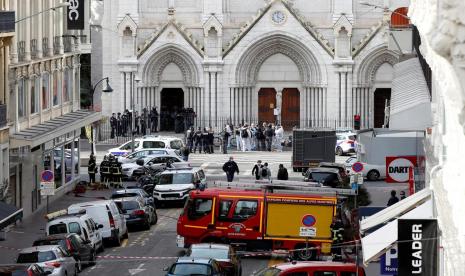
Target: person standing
185,153
269,137
211,140
393,199
282,173
92,168
266,172
198,140
136,122
119,125
245,136
257,170
113,125
205,146
230,168
237,132
190,138
155,120
229,131
279,138
402,195
261,138
225,137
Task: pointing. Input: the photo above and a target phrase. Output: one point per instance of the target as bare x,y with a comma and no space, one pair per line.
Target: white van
105,212
80,223
148,142
175,184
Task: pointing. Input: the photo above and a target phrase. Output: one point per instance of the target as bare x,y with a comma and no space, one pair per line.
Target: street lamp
133,117
106,89
61,5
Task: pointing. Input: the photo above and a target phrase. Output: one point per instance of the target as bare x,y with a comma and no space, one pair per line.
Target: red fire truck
263,218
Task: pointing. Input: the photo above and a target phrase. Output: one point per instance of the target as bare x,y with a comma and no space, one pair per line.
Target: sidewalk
24,233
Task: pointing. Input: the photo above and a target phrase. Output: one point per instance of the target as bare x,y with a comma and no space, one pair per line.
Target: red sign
397,168
357,167
47,176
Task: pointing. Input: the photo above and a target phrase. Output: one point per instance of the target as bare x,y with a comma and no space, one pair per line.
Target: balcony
34,49
21,51
68,44
7,22
45,48
3,120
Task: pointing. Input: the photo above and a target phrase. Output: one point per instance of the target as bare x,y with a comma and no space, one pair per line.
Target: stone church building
303,62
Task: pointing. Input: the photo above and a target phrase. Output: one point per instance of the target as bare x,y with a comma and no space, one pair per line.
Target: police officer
211,140
92,168
113,125
225,137
205,146
198,140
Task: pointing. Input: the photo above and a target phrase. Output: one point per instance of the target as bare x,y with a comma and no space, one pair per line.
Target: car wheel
155,218
92,258
373,175
117,240
147,225
126,235
339,151
78,265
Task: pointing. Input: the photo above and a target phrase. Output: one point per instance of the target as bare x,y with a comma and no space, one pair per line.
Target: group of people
111,172
146,122
260,171
179,119
201,139
264,137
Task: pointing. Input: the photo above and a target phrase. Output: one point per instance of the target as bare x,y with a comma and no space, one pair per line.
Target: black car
224,254
81,250
192,266
136,212
23,270
326,176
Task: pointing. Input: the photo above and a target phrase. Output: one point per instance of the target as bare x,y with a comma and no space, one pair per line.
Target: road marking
124,243
137,270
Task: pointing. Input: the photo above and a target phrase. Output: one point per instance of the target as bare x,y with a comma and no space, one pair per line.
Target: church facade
304,63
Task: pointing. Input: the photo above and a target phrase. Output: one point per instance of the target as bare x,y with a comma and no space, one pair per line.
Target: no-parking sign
397,168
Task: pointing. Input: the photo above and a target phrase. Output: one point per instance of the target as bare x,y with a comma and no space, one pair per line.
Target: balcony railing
45,47
3,120
21,51
34,49
68,44
56,45
7,21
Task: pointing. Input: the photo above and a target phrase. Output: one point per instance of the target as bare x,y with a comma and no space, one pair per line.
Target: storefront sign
418,247
75,15
397,168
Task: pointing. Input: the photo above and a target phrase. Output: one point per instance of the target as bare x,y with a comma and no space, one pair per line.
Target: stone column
279,103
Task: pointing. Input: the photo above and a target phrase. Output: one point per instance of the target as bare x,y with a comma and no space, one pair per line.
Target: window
153,144
67,85
89,226
45,91
127,146
35,88
209,253
56,88
57,229
36,257
199,207
201,174
225,206
324,273
22,90
190,269
177,178
176,144
74,227
158,160
245,209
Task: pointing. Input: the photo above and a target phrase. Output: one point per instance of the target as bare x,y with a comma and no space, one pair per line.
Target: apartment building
44,104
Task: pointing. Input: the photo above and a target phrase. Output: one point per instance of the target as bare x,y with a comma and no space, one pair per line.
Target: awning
417,206
9,214
53,128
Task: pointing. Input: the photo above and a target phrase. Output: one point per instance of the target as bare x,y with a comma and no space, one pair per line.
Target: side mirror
100,226
140,162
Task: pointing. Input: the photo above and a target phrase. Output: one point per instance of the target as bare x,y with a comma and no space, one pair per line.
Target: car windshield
36,257
153,144
128,205
121,195
190,269
177,178
270,271
176,144
60,242
209,253
127,146
322,176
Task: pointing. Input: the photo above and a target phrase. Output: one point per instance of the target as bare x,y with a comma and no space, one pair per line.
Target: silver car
132,157
53,258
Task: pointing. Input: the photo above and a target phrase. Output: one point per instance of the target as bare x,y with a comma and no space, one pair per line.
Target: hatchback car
148,142
136,212
132,192
326,176
345,143
192,266
22,270
132,157
175,185
53,258
134,170
312,269
224,254
341,167
370,171
81,250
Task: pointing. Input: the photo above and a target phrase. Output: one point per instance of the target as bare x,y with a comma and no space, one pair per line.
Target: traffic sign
47,176
47,188
308,220
388,262
357,167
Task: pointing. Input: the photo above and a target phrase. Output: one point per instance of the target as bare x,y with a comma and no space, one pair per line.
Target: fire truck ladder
291,186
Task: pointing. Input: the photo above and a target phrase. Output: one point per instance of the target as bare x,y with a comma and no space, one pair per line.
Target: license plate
180,241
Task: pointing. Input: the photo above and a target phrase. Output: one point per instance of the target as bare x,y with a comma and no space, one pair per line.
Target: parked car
82,250
53,258
106,213
370,171
192,266
341,167
326,176
136,212
22,270
134,170
345,143
224,254
79,223
132,192
312,269
132,157
175,185
148,142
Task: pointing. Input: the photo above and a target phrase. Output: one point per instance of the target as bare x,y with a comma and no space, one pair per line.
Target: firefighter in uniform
92,169
116,171
105,171
337,234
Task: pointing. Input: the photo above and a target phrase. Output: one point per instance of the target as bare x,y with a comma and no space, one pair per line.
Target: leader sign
397,168
75,15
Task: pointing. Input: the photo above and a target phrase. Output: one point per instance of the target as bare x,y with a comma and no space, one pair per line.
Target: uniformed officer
116,171
105,170
92,168
337,233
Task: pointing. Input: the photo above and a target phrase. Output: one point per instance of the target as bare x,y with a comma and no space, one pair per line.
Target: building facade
44,113
311,65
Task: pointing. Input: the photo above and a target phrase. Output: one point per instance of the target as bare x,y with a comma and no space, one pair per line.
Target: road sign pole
47,205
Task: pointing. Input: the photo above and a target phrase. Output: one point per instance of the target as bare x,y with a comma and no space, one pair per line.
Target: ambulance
262,218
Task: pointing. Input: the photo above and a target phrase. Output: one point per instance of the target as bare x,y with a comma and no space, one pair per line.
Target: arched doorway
381,96
290,110
172,101
266,105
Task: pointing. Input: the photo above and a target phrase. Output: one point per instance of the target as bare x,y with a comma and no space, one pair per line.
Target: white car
148,142
132,157
175,185
54,259
370,171
131,170
105,212
345,143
